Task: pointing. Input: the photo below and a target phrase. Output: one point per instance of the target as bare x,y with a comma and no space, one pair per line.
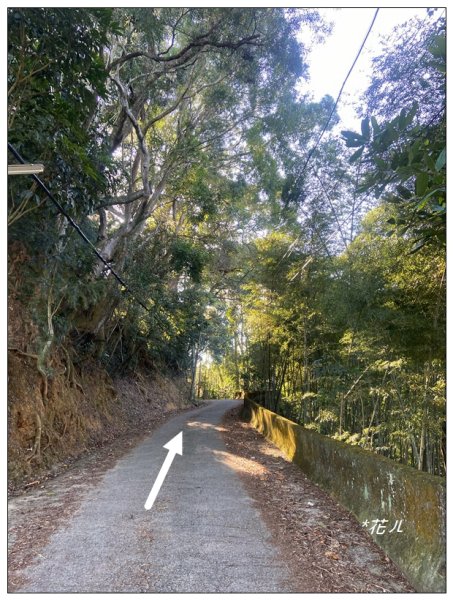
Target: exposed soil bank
79,410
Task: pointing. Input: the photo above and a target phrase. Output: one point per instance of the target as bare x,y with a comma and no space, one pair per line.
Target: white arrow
174,446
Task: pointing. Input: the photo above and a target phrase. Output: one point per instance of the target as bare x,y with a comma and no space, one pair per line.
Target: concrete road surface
203,533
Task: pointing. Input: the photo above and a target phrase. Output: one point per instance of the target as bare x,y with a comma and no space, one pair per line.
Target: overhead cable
324,129
71,221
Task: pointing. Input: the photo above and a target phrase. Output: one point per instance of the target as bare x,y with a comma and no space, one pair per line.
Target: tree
405,157
161,104
55,83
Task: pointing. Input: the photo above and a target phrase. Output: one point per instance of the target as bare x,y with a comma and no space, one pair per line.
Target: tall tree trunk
236,361
195,355
422,448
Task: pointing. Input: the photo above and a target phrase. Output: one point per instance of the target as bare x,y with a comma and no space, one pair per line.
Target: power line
310,154
79,231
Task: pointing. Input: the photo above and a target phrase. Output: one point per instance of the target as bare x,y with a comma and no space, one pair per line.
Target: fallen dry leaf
309,527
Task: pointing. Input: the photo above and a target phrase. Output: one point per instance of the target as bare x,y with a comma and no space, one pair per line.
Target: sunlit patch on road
202,425
240,464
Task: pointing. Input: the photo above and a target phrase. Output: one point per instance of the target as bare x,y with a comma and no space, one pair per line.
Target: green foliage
353,348
175,137
411,166
187,257
55,81
405,156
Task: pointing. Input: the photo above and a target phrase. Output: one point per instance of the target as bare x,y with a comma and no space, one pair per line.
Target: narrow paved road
202,535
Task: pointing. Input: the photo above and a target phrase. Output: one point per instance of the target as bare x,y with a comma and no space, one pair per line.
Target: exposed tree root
36,450
22,353
70,372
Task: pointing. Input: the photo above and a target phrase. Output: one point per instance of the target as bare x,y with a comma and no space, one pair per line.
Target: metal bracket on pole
30,169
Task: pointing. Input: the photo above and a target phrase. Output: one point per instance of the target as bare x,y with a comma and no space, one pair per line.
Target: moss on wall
371,487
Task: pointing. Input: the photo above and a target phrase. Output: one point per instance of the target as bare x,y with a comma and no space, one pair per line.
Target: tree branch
141,137
132,197
198,42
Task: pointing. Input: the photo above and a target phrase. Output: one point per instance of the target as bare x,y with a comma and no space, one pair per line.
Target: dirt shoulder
36,513
324,546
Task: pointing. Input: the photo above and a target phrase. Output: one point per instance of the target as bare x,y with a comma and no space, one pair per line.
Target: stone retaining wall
371,487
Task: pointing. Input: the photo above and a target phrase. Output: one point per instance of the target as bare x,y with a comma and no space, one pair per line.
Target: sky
330,61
